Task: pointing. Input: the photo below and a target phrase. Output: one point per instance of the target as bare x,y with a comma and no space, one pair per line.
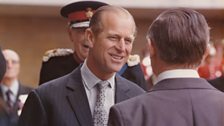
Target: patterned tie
100,116
9,100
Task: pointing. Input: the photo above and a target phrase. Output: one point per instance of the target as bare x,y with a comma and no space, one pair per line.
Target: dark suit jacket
59,66
4,120
63,101
218,83
12,116
172,102
136,75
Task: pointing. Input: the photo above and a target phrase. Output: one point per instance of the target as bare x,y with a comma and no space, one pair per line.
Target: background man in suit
178,41
59,62
80,98
10,88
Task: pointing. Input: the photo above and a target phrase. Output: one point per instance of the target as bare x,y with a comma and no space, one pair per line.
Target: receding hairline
114,10
11,52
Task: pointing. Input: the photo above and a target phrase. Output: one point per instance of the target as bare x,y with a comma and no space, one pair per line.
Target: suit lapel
18,104
77,98
121,92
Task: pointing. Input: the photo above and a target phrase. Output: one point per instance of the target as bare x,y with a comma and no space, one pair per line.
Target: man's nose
121,45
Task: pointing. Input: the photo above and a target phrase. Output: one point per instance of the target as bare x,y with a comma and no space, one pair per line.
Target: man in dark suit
84,96
178,41
11,90
59,62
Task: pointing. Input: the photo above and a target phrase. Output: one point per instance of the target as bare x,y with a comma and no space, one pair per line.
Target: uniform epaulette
56,52
133,60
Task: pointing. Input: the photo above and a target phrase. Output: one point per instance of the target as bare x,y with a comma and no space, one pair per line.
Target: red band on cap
78,16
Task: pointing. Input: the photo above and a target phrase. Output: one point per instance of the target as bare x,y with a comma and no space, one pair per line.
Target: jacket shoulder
131,86
56,53
25,89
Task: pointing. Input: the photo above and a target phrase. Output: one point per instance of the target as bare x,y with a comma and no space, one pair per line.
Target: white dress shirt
177,73
90,81
14,88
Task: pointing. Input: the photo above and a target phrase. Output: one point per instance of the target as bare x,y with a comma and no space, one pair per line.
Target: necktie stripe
9,100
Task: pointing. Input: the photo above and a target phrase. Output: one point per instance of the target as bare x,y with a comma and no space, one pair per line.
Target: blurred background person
218,82
11,90
59,62
210,68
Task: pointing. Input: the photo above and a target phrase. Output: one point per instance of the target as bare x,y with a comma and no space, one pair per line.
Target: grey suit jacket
63,101
11,117
172,102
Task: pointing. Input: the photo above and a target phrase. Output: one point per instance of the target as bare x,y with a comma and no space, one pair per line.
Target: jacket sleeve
33,113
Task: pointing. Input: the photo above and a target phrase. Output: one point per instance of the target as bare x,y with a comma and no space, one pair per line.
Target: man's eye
15,62
113,38
79,30
128,41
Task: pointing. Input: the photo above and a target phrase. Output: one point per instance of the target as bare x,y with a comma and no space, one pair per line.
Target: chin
116,68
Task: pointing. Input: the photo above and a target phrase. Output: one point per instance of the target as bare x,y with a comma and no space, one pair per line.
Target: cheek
16,68
129,48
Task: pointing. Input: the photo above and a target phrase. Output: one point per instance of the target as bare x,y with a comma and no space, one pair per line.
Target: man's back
178,41
173,102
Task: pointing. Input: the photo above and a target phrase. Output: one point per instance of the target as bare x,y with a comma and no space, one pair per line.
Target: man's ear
207,51
90,37
151,47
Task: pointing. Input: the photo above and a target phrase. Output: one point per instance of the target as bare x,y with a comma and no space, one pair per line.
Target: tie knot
102,84
8,92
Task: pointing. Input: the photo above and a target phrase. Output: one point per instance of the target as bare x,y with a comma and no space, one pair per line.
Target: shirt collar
90,80
177,73
14,87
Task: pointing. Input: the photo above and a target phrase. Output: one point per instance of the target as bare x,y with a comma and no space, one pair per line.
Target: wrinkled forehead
10,55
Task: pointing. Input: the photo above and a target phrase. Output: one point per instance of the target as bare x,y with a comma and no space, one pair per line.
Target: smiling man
59,62
84,97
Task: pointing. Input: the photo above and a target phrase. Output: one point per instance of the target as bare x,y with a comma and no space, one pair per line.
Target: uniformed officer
59,62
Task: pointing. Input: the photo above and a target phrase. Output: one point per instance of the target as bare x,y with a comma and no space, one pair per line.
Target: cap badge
89,13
